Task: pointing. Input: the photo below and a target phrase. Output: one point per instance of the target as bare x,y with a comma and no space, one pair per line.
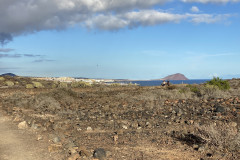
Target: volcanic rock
99,153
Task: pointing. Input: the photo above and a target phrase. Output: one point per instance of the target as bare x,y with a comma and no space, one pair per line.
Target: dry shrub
45,103
115,84
203,92
209,91
220,134
171,87
234,92
162,95
80,84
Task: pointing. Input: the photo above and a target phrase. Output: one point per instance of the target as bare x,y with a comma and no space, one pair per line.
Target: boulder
99,153
23,125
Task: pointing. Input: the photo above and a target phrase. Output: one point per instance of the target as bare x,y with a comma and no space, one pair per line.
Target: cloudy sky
134,39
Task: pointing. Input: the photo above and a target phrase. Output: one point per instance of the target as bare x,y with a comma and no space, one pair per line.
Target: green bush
2,79
217,82
9,83
54,85
63,85
29,86
37,85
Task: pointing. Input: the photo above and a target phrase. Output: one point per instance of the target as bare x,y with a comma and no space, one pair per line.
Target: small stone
191,121
89,129
56,140
74,157
115,139
201,149
39,137
23,125
148,124
124,127
233,124
99,153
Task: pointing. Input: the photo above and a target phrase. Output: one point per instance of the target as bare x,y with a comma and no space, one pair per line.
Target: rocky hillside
177,76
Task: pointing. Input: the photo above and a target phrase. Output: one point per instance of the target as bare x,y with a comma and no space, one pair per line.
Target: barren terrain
122,122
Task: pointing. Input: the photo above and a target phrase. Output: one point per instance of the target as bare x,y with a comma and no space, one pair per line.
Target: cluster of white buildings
70,79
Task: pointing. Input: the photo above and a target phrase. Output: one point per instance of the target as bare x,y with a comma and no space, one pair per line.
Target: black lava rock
219,109
99,153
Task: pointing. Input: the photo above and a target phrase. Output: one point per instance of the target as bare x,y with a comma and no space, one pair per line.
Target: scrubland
87,121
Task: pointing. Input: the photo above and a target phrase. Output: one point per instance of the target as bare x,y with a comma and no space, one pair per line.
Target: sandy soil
18,144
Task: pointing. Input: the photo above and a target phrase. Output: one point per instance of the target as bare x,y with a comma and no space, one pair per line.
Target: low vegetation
80,84
221,84
37,84
9,83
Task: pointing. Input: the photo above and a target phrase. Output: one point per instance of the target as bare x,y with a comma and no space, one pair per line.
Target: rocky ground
129,122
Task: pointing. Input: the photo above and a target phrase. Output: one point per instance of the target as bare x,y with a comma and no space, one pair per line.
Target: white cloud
148,18
208,18
211,1
29,16
106,22
195,9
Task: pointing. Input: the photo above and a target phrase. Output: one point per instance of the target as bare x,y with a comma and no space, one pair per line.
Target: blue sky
129,39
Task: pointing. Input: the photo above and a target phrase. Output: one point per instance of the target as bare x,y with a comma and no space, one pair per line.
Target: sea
159,82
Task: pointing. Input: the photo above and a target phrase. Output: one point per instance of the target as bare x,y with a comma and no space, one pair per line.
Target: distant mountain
177,76
8,74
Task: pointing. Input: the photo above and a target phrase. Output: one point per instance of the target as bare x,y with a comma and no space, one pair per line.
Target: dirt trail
17,144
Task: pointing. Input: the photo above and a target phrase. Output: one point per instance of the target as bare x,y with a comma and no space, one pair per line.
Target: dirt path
18,144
